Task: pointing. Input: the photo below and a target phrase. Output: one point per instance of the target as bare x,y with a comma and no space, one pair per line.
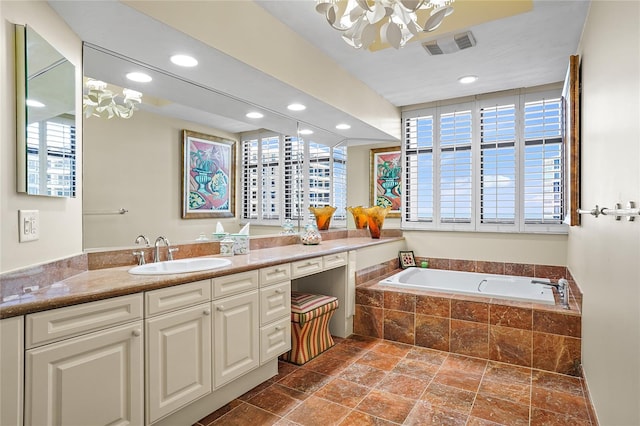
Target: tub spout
563,289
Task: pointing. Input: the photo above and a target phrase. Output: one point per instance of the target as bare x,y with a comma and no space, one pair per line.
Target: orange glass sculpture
323,216
359,216
375,216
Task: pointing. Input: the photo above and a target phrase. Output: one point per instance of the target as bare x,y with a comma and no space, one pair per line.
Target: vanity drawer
233,284
336,260
275,339
176,297
57,324
306,267
275,302
275,274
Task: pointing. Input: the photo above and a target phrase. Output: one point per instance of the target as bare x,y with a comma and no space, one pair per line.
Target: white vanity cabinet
275,311
236,326
178,347
94,377
11,370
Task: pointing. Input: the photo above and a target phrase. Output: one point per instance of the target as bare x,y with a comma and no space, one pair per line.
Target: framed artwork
386,183
571,122
406,259
208,176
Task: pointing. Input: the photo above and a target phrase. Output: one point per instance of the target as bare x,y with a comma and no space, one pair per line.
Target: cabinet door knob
279,327
207,312
279,291
136,332
220,308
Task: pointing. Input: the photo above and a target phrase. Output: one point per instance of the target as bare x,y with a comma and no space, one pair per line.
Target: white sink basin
180,266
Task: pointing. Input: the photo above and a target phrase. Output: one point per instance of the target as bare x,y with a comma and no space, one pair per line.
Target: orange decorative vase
375,216
323,216
359,216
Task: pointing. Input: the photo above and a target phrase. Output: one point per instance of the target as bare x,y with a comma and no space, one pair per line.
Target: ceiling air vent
450,43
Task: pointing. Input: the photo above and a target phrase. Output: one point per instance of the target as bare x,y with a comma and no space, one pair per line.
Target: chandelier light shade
395,21
101,102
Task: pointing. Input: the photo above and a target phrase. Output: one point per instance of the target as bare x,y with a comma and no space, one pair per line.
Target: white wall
60,218
136,164
603,255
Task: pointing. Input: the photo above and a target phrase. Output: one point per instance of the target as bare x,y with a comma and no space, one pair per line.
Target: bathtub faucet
563,289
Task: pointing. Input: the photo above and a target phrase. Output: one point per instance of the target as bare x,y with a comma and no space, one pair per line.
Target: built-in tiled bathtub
521,333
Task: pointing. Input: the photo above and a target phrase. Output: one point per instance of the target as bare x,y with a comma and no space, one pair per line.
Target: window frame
286,204
519,99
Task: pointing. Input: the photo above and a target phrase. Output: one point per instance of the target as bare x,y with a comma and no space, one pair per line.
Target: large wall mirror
46,120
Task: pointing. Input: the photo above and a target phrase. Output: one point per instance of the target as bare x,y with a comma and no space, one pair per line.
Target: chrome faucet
156,253
563,289
140,253
142,237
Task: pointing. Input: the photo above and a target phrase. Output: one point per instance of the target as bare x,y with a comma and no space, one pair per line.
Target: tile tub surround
367,381
519,333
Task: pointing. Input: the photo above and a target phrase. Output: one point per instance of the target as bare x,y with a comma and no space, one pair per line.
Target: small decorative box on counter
240,243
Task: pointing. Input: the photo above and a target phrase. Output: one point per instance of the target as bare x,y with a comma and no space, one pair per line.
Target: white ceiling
524,50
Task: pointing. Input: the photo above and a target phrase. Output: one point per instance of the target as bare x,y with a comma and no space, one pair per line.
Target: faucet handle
139,257
171,251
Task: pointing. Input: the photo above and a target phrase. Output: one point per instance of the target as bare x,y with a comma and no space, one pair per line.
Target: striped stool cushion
305,307
310,336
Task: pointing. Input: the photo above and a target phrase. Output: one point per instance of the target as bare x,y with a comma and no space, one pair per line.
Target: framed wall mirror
45,117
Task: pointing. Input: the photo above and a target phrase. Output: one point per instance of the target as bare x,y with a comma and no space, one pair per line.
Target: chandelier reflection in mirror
396,21
102,102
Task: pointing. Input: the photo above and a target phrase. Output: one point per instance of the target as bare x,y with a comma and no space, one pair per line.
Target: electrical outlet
29,225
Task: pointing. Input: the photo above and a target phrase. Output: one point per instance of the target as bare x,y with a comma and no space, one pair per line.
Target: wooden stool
310,315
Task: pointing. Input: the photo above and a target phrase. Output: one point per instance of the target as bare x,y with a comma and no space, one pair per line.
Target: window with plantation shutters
498,164
494,164
283,175
543,162
52,142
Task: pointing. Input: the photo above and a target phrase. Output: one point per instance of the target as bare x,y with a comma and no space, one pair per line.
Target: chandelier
101,102
395,20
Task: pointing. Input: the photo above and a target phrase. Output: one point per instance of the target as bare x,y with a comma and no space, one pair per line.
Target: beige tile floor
366,381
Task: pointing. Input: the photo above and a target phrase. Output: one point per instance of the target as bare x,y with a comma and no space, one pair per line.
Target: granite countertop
105,283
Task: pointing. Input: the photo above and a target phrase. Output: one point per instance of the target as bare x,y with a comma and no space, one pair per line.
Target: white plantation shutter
498,164
250,179
495,164
270,181
418,169
339,190
543,162
294,183
455,167
319,175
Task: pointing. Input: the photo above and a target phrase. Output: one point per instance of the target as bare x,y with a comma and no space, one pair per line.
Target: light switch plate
29,225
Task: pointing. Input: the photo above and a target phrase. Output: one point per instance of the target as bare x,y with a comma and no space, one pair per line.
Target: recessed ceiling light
34,104
306,132
343,126
254,114
139,77
468,79
184,60
296,107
